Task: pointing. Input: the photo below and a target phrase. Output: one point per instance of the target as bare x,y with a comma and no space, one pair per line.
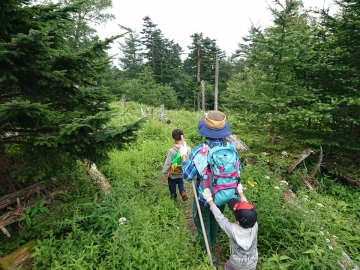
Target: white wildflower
305,196
321,233
122,220
264,153
327,240
284,182
267,177
284,153
331,248
320,205
276,187
334,236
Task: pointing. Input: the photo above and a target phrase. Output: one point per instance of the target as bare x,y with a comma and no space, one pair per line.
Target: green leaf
44,210
42,202
28,221
34,211
22,218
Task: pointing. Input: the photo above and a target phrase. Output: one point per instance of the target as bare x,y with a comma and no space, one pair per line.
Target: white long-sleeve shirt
243,242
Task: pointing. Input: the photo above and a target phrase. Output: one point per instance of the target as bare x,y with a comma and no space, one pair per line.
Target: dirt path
218,250
187,210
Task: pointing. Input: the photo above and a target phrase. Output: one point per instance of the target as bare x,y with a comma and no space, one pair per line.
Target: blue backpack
219,167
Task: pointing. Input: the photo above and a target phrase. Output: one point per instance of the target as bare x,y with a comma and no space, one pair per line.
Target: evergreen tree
200,63
161,54
89,13
154,47
146,90
337,76
53,111
281,58
132,60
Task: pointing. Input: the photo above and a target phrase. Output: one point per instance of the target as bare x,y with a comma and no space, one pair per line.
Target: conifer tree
200,63
280,57
131,61
338,76
53,111
161,54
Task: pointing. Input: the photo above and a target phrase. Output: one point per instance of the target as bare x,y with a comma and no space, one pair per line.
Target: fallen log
303,156
11,217
10,199
98,177
317,167
240,145
18,257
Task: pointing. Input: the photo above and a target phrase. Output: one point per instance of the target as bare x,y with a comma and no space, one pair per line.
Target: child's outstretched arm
223,222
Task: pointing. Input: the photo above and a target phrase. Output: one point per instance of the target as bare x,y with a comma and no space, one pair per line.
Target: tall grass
137,225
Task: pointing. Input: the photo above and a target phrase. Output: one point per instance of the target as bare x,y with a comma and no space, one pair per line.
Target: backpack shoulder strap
176,148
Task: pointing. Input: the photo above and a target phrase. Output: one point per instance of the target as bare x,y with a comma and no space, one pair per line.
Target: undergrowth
137,226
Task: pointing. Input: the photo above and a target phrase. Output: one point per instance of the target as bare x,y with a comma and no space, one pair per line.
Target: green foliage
307,233
80,33
53,111
300,77
145,89
161,54
132,60
137,217
32,211
86,229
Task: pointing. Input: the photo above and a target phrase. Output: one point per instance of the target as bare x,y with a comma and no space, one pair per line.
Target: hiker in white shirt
242,234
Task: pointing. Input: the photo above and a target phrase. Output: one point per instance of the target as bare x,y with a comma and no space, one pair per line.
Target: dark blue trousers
179,182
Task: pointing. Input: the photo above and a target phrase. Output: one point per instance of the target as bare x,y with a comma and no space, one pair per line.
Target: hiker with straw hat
215,129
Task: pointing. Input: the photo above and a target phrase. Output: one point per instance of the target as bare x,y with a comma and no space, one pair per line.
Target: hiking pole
202,223
200,215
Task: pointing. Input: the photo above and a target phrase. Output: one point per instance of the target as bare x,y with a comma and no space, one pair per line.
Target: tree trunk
162,112
216,82
123,101
203,95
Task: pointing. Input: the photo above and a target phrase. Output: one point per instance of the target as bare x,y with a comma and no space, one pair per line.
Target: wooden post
216,82
162,112
150,111
196,96
123,101
203,95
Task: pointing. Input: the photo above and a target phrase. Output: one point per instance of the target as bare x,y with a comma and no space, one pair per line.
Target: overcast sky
227,21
